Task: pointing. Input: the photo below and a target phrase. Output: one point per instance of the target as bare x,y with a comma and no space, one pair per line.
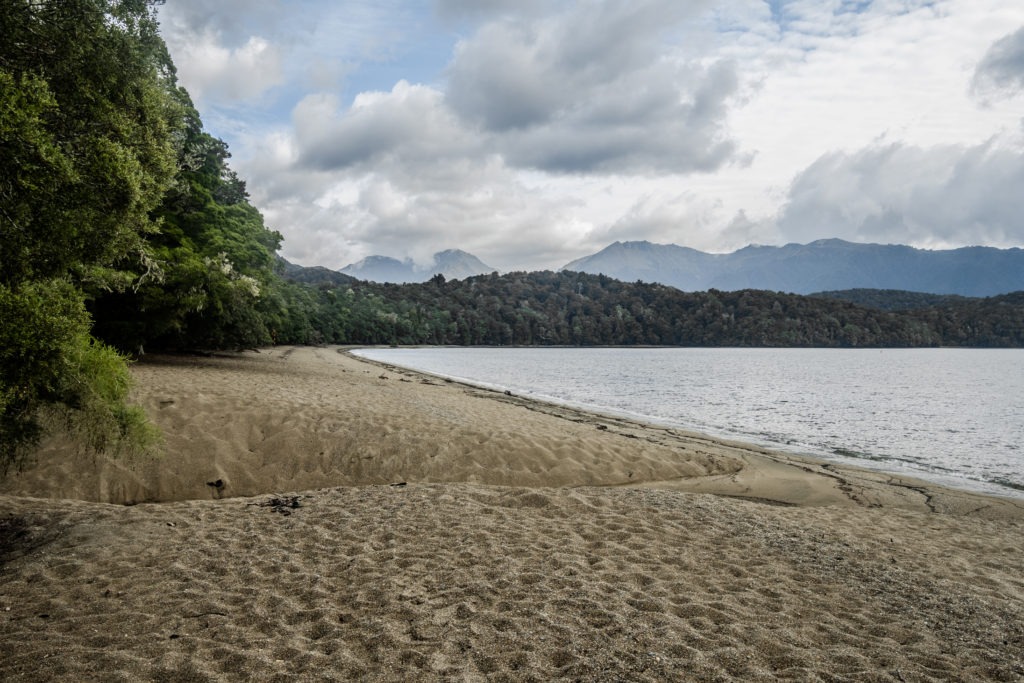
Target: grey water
953,416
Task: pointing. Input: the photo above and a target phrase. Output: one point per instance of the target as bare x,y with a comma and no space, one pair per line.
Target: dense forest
895,299
567,308
123,229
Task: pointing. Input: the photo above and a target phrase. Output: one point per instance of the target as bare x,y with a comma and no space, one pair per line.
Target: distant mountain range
830,264
453,264
821,266
313,275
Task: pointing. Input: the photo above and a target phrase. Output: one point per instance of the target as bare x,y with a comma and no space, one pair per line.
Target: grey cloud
593,90
640,128
628,149
411,122
498,81
584,91
948,195
617,36
455,10
235,20
518,74
1002,67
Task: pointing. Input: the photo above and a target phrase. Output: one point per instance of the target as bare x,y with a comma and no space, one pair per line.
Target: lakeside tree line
567,308
123,229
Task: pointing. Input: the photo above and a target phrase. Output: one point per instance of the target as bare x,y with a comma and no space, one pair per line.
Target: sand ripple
463,582
324,519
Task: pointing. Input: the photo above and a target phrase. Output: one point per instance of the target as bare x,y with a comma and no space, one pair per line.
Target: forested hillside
895,299
567,308
123,229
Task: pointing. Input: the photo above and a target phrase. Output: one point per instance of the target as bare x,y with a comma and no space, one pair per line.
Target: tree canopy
207,269
87,140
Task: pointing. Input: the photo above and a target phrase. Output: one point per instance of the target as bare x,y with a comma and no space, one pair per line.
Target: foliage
893,299
85,134
211,266
580,309
990,322
50,363
86,128
96,407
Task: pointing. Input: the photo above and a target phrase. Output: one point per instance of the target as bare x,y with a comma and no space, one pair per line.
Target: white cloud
665,217
938,197
557,127
410,122
413,215
214,73
221,51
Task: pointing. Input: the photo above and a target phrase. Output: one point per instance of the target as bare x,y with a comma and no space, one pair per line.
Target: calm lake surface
955,416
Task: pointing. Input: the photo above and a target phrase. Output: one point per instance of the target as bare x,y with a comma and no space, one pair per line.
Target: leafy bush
50,365
87,126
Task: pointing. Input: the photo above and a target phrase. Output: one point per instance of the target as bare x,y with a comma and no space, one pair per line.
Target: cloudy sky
533,132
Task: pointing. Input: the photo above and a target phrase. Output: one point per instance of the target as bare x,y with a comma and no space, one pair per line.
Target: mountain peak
454,264
826,264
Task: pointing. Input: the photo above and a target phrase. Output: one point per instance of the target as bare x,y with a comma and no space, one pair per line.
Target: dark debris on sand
284,504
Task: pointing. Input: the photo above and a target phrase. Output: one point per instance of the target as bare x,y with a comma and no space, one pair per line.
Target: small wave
915,463
848,453
1007,483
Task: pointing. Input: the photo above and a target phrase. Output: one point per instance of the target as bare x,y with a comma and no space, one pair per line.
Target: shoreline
820,453
383,525
603,449
846,473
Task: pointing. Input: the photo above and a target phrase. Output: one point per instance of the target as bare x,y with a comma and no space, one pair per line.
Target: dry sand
528,542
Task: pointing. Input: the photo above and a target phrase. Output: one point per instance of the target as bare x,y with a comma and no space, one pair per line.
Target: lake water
954,416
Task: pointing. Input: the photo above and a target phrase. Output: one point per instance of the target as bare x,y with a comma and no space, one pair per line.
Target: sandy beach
315,517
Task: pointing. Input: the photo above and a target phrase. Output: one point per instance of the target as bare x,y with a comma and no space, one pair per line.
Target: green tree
210,281
86,154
